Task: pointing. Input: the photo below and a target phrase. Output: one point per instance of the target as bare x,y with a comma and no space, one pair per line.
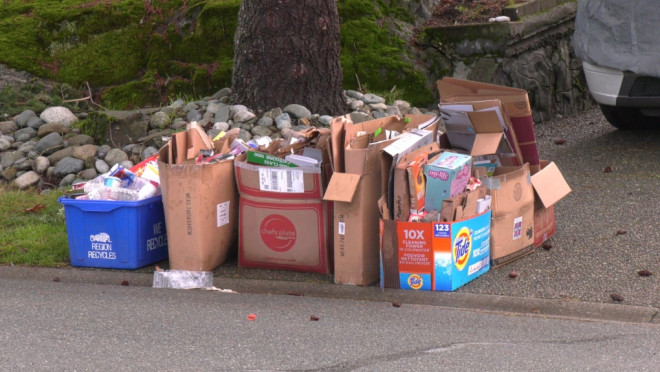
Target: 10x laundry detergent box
434,256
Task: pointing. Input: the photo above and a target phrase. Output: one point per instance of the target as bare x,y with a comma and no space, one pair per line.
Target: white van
619,46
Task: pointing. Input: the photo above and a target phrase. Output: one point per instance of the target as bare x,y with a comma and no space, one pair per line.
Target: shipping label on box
446,176
436,256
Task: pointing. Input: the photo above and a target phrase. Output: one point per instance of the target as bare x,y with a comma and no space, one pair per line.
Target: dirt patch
456,12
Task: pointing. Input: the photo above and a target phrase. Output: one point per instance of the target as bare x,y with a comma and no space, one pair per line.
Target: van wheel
628,118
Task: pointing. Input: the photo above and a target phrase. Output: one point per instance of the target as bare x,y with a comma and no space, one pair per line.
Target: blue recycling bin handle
103,205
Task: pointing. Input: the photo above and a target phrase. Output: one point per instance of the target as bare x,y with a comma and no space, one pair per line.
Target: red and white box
283,221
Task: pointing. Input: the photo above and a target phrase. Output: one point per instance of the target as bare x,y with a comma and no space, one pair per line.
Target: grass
32,238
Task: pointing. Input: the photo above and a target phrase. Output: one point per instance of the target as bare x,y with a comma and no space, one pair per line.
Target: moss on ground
139,53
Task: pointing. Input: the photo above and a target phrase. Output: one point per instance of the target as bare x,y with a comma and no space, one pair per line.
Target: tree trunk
286,52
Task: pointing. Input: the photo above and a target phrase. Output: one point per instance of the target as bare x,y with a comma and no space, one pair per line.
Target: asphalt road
52,326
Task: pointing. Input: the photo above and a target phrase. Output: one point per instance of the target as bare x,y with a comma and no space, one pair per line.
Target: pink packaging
446,176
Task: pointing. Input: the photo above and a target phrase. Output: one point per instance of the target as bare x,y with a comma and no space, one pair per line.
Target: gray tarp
621,34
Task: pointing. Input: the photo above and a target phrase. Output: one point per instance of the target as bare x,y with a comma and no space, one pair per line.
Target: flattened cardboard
342,187
201,212
549,184
514,100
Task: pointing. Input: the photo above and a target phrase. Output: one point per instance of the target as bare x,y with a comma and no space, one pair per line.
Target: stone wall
534,53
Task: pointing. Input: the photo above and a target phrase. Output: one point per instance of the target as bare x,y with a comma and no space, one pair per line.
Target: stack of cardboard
356,186
488,198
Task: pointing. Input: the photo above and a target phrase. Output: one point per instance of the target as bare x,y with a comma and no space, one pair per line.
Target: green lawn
32,235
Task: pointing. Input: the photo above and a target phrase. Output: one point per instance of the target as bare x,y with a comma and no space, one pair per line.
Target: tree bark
286,52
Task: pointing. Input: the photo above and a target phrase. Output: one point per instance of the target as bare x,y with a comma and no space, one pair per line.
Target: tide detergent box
447,175
434,256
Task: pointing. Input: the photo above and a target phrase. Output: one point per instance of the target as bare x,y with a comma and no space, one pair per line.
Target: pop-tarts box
434,256
446,176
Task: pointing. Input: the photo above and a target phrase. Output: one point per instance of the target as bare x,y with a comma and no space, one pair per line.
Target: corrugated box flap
342,187
486,144
550,185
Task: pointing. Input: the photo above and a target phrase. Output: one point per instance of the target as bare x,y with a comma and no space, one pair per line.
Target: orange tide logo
461,248
415,281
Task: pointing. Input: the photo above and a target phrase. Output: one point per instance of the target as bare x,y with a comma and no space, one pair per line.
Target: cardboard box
283,221
201,210
355,187
512,230
549,187
434,256
447,175
514,100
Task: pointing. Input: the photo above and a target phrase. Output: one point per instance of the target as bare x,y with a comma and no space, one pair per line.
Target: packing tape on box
491,183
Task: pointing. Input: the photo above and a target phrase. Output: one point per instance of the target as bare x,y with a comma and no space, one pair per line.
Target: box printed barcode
281,180
341,228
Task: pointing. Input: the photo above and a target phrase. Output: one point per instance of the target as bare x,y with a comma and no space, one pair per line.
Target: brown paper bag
201,212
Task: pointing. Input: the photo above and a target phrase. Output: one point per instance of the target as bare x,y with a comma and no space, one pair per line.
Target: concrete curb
538,307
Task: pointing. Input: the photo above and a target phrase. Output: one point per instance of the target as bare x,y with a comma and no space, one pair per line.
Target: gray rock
53,127
41,164
224,92
7,127
325,120
24,164
221,126
189,107
26,180
403,106
85,151
359,117
59,155
378,106
208,116
159,120
67,166
58,114
115,156
25,134
9,174
49,144
379,114
243,116
67,180
354,94
103,150
179,103
265,121
126,164
245,135
35,122
148,152
23,118
222,115
298,111
283,121
372,98
88,174
393,110
258,131
214,107
79,140
4,144
179,123
101,166
356,104
193,115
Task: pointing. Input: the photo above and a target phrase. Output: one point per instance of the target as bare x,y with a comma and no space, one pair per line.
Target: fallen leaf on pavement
560,141
295,294
616,297
547,246
124,283
513,274
396,304
621,232
644,273
607,169
56,279
314,318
